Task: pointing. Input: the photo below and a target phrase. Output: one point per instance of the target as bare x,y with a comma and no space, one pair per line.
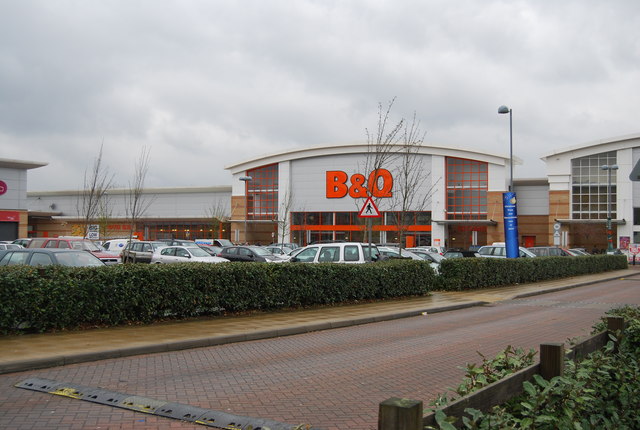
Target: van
115,246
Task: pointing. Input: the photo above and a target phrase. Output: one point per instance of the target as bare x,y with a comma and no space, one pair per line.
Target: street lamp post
509,200
609,168
504,109
246,180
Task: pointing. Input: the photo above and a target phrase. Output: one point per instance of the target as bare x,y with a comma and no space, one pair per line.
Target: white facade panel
309,175
162,203
14,197
533,199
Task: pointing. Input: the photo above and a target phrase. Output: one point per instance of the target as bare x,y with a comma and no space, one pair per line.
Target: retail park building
317,193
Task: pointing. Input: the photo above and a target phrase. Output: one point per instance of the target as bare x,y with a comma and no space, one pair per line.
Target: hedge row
57,297
473,273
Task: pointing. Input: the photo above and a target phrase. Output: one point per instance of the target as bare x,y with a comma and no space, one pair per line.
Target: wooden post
551,360
615,326
400,414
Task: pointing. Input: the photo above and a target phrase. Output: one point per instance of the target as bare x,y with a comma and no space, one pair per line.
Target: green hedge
472,273
59,297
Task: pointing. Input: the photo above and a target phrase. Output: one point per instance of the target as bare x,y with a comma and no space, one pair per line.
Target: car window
244,252
351,253
15,258
75,245
231,251
307,255
196,251
146,247
167,251
40,259
181,252
485,251
329,254
51,244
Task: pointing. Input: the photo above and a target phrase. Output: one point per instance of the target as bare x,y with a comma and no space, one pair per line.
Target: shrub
59,297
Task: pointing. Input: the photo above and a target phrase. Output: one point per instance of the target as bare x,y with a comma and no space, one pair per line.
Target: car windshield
261,251
85,245
196,251
77,259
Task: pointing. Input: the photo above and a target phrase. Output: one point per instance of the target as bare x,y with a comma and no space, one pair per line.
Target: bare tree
218,214
96,184
136,203
284,215
412,189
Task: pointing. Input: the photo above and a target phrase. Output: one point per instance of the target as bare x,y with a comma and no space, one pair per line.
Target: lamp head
503,109
246,178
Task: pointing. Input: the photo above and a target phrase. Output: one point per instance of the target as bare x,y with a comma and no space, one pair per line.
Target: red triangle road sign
369,209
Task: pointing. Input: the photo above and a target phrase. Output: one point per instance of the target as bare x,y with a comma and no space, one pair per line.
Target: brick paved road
331,379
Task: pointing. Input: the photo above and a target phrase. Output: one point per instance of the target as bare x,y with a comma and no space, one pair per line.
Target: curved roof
362,148
20,164
601,145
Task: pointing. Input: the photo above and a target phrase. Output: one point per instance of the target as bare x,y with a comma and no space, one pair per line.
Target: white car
339,252
500,251
392,252
184,254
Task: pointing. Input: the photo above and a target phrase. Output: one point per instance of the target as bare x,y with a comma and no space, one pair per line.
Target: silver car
184,254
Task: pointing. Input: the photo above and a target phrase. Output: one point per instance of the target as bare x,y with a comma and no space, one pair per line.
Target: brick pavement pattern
331,379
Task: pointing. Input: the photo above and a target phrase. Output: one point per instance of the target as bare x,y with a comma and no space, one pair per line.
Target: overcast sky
204,84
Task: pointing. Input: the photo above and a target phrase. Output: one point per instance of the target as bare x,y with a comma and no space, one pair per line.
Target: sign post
369,210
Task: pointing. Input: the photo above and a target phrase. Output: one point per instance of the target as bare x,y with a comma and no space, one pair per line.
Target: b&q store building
317,193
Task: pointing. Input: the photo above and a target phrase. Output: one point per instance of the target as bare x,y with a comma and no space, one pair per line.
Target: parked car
214,242
74,243
177,242
211,249
115,246
184,254
286,245
49,256
391,252
433,249
344,252
140,252
434,257
500,251
549,251
578,251
461,254
248,253
23,242
279,251
4,246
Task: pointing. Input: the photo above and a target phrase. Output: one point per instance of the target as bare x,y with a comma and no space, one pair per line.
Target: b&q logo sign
379,184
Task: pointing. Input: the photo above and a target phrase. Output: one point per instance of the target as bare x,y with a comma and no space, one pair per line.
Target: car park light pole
509,206
246,180
502,110
609,168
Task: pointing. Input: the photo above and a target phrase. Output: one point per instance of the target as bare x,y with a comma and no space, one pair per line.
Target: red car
74,243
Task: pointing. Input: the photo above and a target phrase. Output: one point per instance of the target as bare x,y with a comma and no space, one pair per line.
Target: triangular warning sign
369,209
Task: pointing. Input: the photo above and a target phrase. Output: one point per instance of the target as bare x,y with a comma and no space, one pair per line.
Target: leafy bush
472,273
601,391
57,297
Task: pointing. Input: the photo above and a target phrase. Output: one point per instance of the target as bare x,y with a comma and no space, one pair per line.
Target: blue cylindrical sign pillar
510,224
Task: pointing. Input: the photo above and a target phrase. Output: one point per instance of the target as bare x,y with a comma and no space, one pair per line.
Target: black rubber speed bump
146,405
